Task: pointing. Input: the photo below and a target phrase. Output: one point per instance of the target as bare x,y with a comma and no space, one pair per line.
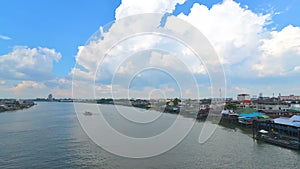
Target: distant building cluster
275,120
280,103
50,98
289,98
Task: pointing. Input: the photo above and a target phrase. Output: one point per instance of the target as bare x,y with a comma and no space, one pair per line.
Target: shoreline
11,110
12,105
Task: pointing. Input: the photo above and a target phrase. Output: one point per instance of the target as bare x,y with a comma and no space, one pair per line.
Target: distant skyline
257,41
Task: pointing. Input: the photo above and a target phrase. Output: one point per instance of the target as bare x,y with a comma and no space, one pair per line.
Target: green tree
176,101
230,106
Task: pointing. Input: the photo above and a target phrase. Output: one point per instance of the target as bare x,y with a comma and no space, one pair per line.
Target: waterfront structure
229,116
295,107
203,114
247,119
141,103
278,113
281,131
26,103
173,106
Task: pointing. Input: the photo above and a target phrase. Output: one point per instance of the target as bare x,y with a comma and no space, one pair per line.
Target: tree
176,101
230,106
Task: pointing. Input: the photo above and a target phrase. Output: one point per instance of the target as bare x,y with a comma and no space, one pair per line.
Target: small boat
87,113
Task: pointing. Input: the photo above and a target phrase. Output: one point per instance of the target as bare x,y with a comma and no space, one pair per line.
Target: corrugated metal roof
254,114
293,121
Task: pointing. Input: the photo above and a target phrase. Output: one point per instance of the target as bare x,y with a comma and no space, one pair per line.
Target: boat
87,113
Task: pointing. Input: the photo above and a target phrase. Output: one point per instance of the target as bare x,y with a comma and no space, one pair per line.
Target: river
49,135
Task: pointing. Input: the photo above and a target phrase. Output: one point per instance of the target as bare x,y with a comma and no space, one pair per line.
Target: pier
281,131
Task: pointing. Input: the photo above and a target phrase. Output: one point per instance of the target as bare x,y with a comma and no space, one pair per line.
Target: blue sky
62,25
55,29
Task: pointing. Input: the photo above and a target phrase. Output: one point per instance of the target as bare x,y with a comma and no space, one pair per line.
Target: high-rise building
50,97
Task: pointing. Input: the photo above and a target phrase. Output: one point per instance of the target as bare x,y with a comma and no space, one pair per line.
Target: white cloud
280,53
61,83
297,68
238,89
243,43
99,58
60,88
121,61
25,63
28,84
5,37
27,73
2,82
168,61
133,7
239,36
28,89
233,31
60,93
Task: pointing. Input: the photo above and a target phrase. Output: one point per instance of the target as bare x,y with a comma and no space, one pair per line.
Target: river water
49,135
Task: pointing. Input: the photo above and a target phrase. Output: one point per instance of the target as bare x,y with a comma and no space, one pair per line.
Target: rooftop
293,121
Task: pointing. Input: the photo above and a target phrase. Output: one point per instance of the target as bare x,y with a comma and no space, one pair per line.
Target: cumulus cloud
141,63
280,53
27,84
61,83
60,88
133,7
239,36
27,73
28,89
25,63
234,31
108,56
242,41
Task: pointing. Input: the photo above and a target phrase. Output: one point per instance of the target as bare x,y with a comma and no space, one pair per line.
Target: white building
242,97
295,106
290,97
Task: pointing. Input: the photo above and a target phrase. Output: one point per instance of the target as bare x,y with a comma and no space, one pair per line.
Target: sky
43,45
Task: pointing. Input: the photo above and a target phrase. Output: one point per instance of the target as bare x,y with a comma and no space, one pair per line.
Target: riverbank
12,104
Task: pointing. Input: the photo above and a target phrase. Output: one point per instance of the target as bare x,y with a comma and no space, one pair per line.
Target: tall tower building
50,97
